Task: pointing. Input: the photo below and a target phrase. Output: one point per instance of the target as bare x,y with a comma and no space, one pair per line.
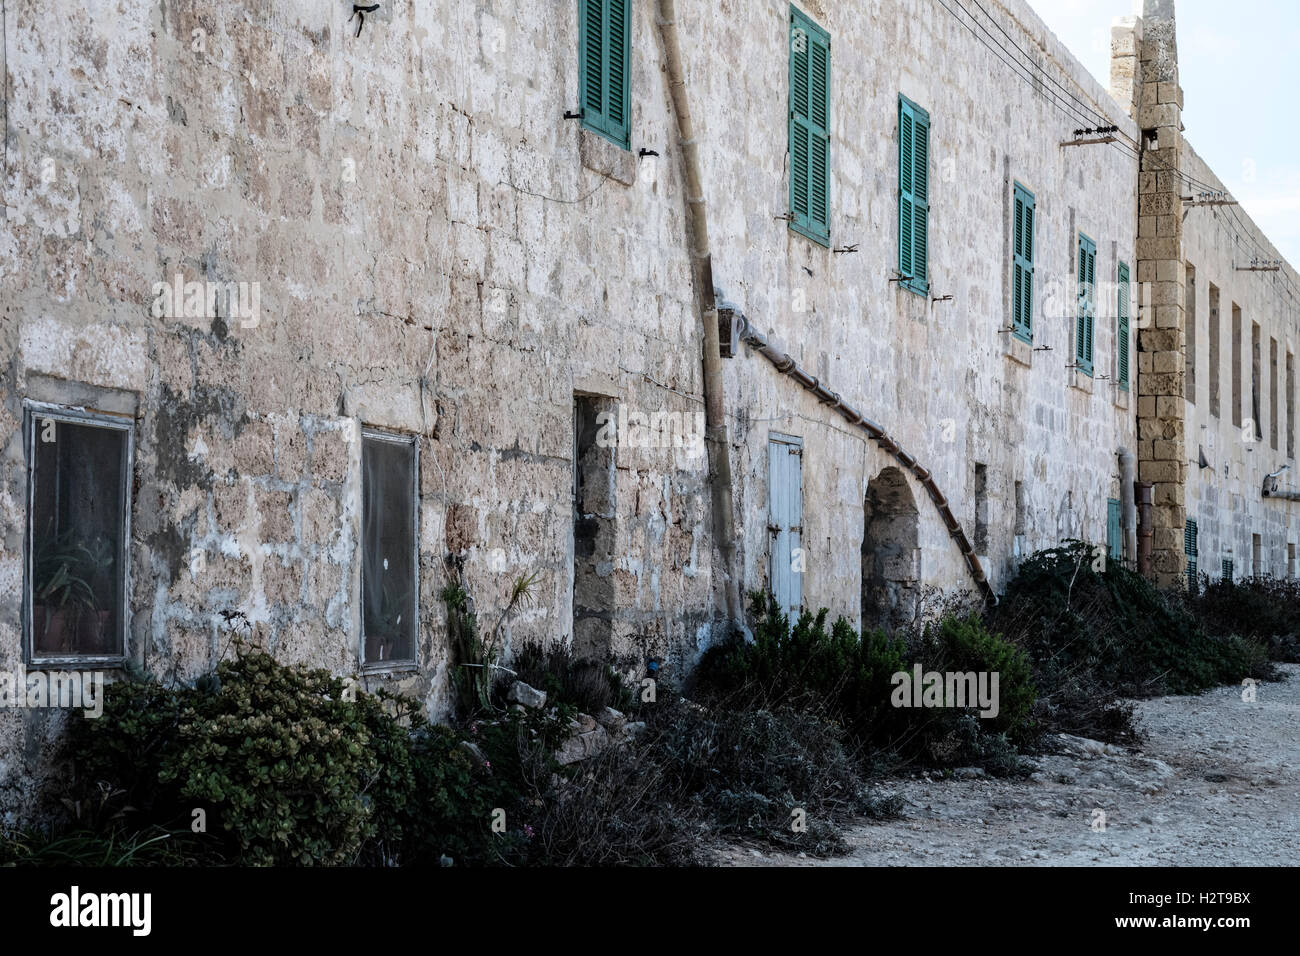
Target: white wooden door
785,520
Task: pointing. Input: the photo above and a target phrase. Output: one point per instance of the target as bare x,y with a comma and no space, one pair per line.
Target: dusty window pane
76,539
388,549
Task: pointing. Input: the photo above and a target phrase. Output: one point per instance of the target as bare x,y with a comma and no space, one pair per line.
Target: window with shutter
1190,548
1087,309
913,196
604,39
1122,333
810,139
1022,264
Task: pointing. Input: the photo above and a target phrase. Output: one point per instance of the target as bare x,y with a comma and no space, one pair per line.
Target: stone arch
890,552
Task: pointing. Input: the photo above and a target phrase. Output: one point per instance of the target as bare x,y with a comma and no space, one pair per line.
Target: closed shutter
1114,536
1190,547
1122,330
913,195
810,109
1087,305
604,38
1227,570
1022,265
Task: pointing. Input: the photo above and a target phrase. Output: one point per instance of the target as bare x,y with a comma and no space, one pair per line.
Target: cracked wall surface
438,252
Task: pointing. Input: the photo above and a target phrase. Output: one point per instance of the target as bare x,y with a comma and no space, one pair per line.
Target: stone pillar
1161,332
1125,52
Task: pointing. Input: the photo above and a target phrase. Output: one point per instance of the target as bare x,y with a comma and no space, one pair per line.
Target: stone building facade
305,319
1217,339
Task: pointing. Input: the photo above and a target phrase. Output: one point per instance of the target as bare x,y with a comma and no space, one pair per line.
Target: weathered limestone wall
1225,497
438,252
434,254
938,375
1202,441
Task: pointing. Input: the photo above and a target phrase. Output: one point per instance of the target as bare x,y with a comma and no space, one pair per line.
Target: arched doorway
890,552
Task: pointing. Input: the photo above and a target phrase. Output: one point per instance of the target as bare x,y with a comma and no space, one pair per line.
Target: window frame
413,442
33,412
816,33
1019,194
917,286
601,123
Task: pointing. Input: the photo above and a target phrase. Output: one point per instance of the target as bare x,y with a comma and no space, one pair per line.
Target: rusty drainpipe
715,421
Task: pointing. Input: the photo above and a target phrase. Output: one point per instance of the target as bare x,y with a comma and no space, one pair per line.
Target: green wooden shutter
591,61
604,39
1022,264
1114,534
1190,547
913,195
1122,331
810,109
1087,305
906,136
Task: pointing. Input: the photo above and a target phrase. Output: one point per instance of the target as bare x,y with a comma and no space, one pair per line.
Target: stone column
1161,332
1125,52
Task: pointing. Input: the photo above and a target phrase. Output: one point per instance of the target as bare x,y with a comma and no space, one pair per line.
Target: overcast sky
1239,65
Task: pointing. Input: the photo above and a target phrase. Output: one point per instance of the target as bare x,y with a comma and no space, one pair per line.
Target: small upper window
604,39
77,535
388,538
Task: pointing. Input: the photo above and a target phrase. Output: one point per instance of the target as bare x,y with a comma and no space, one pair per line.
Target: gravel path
1215,783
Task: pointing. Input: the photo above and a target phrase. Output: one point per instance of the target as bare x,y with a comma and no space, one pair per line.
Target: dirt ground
1216,782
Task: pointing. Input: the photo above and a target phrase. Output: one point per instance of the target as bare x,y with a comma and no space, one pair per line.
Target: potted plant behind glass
64,605
93,630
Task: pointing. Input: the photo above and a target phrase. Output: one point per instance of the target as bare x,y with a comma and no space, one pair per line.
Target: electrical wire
1029,74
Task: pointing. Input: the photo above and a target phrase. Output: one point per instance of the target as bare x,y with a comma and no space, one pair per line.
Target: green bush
292,770
1094,635
117,758
966,644
289,769
849,679
809,668
281,760
1260,607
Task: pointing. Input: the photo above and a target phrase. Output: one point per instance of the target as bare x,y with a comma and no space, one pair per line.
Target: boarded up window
388,537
